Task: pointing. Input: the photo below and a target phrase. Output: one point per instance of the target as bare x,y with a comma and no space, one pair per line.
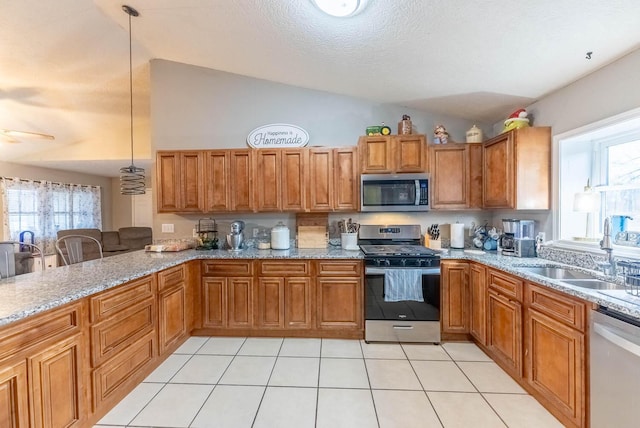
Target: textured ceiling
65,63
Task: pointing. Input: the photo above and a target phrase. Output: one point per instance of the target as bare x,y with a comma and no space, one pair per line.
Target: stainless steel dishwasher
615,370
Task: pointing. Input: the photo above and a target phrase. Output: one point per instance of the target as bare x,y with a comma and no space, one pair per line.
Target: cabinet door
270,303
14,411
339,302
376,155
239,302
268,180
478,297
191,182
214,302
295,163
504,332
320,179
454,297
172,325
410,152
168,181
498,160
298,303
241,184
346,179
57,383
217,182
554,364
450,176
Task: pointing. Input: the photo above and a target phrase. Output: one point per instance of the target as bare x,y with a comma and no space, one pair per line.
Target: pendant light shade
132,181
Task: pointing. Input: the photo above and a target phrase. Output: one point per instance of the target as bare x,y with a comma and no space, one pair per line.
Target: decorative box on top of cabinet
393,154
517,169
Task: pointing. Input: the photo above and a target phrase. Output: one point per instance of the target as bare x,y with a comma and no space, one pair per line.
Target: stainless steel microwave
394,192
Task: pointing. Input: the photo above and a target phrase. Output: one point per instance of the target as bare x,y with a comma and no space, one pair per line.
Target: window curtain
44,208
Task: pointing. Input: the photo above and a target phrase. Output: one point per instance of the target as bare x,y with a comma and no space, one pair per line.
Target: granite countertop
26,295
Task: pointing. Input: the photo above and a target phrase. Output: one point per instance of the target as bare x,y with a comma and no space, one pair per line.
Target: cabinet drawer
227,267
52,325
284,268
505,284
113,380
105,305
339,268
112,336
170,277
559,306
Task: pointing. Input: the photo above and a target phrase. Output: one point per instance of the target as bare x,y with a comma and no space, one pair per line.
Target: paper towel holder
457,235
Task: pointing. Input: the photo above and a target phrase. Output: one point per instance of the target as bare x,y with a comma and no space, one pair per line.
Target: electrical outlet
194,233
167,228
256,232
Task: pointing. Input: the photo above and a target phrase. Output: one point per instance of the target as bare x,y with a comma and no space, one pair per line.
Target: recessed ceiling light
341,8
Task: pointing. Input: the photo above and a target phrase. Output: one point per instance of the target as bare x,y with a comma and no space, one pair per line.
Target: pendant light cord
130,88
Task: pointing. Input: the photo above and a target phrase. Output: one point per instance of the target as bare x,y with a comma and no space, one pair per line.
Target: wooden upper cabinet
268,180
393,154
517,169
376,155
347,185
295,164
410,151
217,179
241,183
456,176
180,181
320,184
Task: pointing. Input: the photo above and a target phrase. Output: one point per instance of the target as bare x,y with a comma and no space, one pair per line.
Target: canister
280,237
474,135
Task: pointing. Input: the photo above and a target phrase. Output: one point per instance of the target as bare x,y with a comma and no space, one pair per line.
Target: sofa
121,241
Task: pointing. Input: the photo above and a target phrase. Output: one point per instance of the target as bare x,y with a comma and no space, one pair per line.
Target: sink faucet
608,267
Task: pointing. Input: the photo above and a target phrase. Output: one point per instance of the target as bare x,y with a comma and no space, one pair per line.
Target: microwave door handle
417,186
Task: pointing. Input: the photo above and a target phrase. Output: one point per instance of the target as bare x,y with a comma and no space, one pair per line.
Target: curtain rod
45,181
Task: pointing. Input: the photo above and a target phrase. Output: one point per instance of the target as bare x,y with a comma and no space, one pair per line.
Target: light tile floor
298,383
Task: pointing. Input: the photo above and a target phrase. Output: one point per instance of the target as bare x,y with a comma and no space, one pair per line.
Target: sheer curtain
44,208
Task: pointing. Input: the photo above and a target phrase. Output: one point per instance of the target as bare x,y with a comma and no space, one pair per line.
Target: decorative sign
277,135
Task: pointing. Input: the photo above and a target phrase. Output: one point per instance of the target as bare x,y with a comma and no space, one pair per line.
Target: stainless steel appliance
394,192
615,369
236,237
519,238
392,254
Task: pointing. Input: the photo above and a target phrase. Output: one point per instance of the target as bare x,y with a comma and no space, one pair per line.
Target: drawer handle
403,327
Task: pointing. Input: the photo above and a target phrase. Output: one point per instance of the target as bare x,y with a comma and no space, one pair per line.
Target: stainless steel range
402,285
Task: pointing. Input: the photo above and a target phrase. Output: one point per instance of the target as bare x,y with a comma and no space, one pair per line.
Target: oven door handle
369,270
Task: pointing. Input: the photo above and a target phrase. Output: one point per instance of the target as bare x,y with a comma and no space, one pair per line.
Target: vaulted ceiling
65,62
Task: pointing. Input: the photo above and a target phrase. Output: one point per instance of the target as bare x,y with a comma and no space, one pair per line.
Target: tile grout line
315,419
373,401
217,382
255,417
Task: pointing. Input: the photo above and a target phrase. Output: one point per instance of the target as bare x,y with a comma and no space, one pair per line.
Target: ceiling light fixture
131,177
341,8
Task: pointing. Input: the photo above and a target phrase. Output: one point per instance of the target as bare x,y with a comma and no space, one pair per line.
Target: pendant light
131,177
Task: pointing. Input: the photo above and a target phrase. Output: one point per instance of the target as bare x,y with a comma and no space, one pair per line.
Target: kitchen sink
558,273
594,284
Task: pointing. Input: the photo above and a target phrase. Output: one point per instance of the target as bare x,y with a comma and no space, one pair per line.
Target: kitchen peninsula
97,329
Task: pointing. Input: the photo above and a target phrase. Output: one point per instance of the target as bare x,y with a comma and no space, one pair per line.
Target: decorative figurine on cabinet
440,135
517,119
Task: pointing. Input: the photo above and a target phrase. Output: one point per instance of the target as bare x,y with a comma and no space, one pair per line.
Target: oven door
404,321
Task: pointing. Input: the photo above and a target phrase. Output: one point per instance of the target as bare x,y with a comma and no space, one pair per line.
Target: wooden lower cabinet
339,295
478,302
555,352
57,379
173,308
504,332
14,410
454,297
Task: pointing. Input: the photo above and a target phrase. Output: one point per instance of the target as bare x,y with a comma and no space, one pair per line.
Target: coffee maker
519,238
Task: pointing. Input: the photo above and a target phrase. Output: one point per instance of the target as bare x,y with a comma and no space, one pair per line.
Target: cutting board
312,236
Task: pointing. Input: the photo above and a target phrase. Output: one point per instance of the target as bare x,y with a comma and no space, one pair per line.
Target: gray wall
198,108
612,90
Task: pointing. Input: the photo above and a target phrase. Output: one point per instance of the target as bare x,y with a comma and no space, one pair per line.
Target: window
44,208
608,155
